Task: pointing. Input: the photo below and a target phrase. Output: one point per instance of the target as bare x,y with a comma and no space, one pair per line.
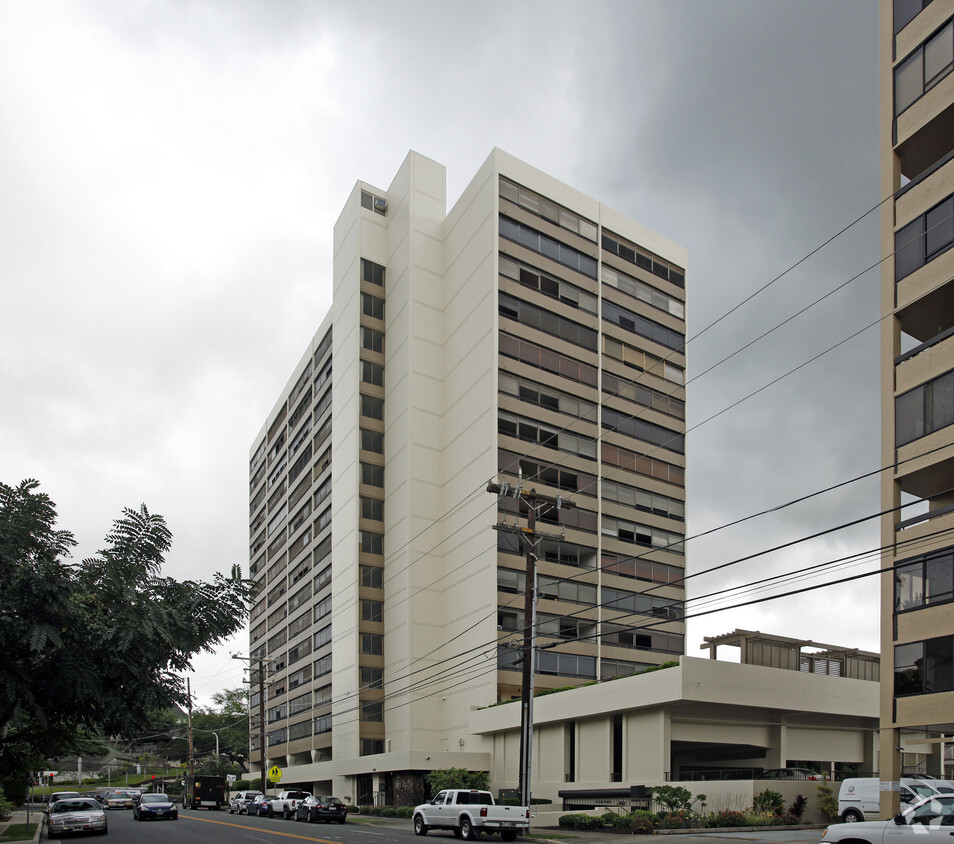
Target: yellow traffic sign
274,773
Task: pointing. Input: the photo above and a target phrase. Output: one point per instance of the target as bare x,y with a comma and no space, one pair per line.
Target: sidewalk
20,816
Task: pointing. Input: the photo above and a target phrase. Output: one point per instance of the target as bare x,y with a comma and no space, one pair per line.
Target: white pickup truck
469,812
286,803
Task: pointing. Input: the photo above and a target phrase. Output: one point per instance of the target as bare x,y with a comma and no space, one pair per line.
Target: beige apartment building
528,336
917,180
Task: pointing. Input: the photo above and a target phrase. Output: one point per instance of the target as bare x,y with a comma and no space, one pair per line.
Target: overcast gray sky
170,173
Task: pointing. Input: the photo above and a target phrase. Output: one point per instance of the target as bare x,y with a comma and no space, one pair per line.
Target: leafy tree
457,778
673,798
228,718
827,800
98,644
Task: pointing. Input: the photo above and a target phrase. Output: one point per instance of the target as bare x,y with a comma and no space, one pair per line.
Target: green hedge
579,821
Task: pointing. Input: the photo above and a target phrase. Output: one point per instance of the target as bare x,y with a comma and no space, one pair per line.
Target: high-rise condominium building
917,366
529,336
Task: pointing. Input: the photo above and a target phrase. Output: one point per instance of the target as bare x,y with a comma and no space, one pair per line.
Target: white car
929,818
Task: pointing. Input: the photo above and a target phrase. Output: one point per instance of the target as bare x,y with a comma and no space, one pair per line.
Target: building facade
530,336
917,228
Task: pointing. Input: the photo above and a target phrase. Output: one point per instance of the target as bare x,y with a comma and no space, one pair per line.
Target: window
529,430
546,397
372,610
322,637
924,239
372,577
567,590
372,710
323,348
372,441
322,724
299,464
370,542
372,306
372,508
302,703
372,643
372,475
372,407
906,11
371,747
322,666
372,373
638,464
372,678
547,473
643,361
372,273
924,68
924,667
372,339
925,409
924,581
547,360
644,535
374,203
567,665
323,608
620,600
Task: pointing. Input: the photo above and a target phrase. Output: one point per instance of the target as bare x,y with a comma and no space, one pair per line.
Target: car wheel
286,814
271,812
852,816
467,829
420,828
509,835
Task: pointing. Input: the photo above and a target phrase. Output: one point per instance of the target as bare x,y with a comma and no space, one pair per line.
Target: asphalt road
205,827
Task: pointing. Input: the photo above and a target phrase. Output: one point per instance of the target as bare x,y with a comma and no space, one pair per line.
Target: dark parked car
78,814
259,806
154,806
319,808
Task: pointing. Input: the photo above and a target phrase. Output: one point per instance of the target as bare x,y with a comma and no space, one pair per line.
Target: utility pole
261,714
531,539
191,760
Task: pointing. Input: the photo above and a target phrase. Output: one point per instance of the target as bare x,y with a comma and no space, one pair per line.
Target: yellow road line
258,829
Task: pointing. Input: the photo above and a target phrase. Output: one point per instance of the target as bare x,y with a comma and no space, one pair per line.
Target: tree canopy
98,644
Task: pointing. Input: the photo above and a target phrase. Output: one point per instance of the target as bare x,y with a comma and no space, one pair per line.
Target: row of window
647,432
643,327
644,535
640,568
639,464
925,409
547,322
641,499
529,430
629,251
547,397
555,288
375,203
546,208
644,396
548,473
643,292
547,360
548,247
924,68
923,239
642,360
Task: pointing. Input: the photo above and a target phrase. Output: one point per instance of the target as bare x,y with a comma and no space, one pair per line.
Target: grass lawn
19,832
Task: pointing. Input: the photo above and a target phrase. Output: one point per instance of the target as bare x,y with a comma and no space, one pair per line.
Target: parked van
860,797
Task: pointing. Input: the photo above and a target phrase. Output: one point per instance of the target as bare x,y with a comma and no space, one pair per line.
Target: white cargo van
860,797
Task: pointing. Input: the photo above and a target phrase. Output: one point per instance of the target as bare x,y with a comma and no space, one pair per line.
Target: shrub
727,817
353,810
364,809
827,802
797,809
769,801
673,798
580,821
676,820
788,819
388,812
457,778
241,785
637,821
539,801
404,811
374,810
6,807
